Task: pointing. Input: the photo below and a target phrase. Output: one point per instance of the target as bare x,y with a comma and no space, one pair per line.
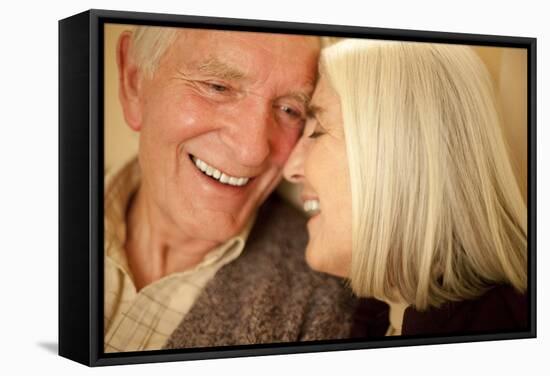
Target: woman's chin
312,260
318,263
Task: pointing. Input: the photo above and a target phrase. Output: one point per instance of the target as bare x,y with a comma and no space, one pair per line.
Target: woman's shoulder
503,308
500,309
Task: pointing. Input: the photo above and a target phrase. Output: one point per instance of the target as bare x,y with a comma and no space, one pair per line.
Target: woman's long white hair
437,213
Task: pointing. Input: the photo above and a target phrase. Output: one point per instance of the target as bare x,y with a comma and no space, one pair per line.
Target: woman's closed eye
313,113
318,131
316,134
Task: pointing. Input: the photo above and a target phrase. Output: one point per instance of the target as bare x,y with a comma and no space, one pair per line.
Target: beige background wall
508,67
120,141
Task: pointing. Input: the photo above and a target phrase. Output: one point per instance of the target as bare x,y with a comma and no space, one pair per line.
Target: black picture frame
81,182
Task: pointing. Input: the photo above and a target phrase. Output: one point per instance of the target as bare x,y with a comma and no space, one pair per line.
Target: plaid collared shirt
143,320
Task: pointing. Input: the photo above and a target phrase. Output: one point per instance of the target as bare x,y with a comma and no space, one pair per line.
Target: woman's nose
294,167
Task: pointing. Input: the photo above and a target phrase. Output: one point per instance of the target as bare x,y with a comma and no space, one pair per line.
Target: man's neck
155,246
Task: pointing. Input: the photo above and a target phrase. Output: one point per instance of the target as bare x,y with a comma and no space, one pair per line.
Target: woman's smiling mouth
312,206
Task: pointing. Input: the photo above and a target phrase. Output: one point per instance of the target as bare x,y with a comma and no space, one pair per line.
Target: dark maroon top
501,309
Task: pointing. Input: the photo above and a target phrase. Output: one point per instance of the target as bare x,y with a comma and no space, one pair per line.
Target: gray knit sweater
269,294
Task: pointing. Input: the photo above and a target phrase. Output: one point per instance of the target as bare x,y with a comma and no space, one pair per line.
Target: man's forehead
215,50
214,66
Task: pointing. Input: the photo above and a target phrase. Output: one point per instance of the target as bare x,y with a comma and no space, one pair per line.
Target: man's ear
129,79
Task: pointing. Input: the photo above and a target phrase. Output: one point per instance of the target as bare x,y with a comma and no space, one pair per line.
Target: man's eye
290,111
289,116
214,88
217,87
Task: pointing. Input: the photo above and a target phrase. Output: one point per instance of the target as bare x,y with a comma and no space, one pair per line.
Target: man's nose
294,167
249,135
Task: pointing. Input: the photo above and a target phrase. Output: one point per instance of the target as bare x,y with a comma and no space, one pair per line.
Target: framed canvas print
234,187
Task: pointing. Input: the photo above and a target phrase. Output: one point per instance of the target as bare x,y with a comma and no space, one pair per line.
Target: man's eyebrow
299,96
214,67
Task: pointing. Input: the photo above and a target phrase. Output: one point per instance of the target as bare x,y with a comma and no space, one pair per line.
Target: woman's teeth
312,206
218,175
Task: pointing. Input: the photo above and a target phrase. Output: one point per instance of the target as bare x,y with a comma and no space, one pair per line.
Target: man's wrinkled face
219,119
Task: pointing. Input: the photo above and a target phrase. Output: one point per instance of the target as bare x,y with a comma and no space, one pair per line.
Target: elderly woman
410,190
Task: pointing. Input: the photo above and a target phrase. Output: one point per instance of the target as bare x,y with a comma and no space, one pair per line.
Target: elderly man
190,260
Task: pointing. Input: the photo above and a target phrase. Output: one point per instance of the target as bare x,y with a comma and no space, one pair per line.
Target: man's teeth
312,206
218,175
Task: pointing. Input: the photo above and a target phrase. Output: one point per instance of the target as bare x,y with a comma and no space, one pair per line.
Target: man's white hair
149,43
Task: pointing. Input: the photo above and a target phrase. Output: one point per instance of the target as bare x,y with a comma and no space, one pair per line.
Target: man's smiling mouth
218,175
